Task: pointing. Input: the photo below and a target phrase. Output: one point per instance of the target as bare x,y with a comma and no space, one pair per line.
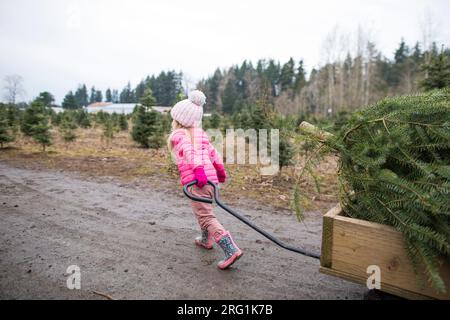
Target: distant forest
347,82
166,88
344,85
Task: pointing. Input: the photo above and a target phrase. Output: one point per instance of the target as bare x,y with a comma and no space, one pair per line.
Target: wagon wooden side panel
350,246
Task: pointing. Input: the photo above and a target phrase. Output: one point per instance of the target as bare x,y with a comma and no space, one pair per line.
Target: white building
124,108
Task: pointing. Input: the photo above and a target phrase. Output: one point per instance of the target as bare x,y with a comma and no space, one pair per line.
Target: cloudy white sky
57,44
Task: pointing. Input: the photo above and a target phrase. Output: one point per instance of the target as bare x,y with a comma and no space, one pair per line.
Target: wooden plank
327,236
386,287
356,244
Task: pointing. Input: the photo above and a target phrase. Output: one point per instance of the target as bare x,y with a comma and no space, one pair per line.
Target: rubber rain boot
231,250
205,240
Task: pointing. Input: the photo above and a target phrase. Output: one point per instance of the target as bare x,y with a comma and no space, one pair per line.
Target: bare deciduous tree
13,88
428,26
370,60
188,83
331,51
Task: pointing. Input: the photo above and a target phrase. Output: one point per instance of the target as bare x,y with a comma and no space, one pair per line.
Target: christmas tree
6,130
67,128
394,169
35,124
147,128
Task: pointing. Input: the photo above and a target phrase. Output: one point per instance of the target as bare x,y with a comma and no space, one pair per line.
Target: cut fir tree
394,169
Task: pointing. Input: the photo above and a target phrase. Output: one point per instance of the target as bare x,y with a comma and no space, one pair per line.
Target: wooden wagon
350,245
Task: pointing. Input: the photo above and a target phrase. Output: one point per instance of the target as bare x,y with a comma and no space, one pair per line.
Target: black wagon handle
243,219
195,198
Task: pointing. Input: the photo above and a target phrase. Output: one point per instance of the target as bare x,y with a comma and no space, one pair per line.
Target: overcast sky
55,44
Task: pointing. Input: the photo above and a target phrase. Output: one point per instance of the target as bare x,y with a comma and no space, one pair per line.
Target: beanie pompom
197,97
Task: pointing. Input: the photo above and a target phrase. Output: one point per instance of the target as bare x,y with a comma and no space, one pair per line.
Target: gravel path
133,242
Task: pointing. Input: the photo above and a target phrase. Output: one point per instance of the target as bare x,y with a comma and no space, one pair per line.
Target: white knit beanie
189,112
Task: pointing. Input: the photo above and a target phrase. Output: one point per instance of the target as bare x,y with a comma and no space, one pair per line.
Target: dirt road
132,241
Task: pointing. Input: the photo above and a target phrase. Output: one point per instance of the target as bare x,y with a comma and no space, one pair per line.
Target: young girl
197,159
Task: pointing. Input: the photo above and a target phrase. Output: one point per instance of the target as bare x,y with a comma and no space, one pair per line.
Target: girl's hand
200,176
221,174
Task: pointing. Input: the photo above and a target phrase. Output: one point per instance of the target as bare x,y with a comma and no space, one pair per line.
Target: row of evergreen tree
39,118
165,87
149,127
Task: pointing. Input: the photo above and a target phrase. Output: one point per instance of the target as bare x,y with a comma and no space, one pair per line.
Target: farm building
124,108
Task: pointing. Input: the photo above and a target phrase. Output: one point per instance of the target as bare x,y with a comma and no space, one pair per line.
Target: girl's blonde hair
176,125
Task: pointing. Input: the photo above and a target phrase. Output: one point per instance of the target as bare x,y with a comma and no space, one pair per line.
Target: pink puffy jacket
192,149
